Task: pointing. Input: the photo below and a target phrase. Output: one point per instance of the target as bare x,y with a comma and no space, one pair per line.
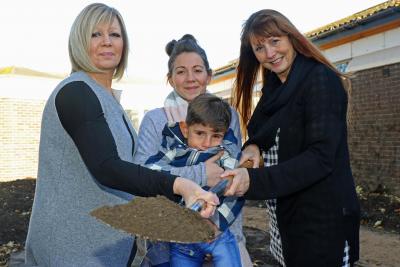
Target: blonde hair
81,32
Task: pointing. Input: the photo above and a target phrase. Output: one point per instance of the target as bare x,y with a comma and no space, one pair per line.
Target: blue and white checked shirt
174,152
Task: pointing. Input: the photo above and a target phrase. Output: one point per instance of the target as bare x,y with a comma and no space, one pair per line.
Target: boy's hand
213,171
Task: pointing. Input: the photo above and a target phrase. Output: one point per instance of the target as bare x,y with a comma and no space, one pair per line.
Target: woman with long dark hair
299,128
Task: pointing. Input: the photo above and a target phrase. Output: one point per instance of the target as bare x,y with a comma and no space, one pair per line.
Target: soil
379,245
157,219
379,235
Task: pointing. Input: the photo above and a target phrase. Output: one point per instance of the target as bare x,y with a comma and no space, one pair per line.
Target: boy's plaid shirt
174,152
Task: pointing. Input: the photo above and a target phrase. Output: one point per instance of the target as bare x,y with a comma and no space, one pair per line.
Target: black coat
317,206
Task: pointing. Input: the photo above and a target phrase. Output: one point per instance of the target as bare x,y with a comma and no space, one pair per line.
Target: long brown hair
266,23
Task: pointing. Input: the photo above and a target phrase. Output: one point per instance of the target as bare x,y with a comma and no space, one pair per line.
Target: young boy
204,134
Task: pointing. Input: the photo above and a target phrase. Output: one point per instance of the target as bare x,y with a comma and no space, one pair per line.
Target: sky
35,33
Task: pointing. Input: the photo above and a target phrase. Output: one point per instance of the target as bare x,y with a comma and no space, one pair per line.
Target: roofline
379,22
226,68
355,19
223,76
355,34
21,71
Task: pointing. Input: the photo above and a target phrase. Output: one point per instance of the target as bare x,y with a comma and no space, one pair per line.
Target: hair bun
170,47
188,37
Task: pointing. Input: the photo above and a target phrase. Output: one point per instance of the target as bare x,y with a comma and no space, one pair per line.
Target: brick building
23,93
22,98
365,45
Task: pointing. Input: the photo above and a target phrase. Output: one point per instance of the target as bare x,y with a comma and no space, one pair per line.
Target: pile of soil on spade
158,219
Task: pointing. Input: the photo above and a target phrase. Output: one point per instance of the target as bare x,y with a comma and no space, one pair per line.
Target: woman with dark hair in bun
189,74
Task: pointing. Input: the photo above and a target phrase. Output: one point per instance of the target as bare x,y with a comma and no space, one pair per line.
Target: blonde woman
86,152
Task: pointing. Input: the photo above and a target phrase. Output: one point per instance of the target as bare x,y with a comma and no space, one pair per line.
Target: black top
317,207
82,117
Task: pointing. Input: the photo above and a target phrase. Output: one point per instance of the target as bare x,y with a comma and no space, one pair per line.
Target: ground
379,236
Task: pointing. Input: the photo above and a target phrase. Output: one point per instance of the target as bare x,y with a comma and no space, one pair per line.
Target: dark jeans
224,251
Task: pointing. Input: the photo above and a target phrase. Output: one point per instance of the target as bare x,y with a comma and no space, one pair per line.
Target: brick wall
19,137
374,128
20,121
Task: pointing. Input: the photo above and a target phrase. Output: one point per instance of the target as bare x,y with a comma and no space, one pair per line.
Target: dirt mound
158,219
